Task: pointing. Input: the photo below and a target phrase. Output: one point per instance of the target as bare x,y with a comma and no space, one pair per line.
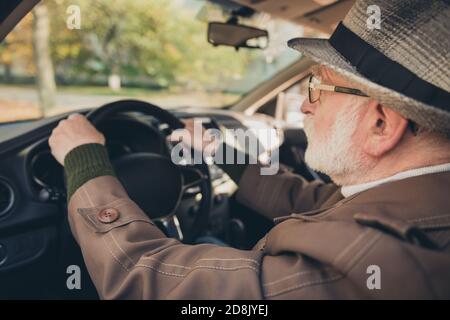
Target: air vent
6,197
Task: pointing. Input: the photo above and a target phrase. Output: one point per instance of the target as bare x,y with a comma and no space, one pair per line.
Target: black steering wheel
153,180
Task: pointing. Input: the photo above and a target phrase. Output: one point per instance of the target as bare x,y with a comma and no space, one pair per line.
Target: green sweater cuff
84,163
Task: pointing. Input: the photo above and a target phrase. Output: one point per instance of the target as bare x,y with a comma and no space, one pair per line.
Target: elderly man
378,123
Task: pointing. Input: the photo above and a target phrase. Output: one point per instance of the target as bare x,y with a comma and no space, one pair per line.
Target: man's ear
384,129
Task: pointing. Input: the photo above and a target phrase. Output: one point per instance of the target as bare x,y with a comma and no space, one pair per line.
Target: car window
290,101
72,54
286,105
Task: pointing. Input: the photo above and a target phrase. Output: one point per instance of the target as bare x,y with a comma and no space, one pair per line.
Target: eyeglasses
315,87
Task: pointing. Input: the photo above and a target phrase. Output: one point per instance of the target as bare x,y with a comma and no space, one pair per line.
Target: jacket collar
421,201
353,189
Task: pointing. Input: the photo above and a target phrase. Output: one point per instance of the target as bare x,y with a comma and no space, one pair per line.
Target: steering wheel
153,180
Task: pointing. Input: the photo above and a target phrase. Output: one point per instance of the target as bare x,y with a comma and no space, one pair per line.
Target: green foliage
156,40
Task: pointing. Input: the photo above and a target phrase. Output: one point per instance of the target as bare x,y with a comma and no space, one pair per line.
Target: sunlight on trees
149,46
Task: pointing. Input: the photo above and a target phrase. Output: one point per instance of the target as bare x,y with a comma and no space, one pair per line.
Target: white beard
336,156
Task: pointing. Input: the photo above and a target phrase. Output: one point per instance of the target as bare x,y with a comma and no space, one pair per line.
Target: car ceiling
322,15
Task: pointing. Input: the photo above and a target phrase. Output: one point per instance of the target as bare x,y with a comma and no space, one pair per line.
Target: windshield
71,54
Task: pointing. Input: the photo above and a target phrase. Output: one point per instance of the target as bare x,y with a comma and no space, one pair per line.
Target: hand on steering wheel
152,180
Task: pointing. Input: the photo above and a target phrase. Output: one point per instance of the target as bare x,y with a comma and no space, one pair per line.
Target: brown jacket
402,228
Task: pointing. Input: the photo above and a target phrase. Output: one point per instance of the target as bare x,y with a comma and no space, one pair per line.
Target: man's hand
197,138
71,133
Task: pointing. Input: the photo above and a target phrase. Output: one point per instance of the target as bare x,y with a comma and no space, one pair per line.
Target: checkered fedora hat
404,64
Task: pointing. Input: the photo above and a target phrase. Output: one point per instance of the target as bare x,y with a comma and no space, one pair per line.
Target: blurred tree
42,57
142,38
17,47
151,42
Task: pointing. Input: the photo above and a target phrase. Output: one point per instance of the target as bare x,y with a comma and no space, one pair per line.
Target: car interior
188,202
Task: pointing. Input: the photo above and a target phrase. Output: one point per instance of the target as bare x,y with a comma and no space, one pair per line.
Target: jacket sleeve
281,194
130,258
275,195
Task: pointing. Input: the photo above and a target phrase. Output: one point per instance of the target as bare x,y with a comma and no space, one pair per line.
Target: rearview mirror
237,35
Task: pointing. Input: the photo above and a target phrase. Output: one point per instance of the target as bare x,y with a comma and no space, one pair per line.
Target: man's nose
307,107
